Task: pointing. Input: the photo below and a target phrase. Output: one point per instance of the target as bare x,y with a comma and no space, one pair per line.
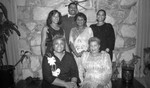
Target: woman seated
59,67
96,68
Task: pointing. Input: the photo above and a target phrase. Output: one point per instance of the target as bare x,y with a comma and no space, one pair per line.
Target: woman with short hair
59,67
95,69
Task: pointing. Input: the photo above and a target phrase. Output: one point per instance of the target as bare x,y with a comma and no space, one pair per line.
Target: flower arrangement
54,69
7,28
132,62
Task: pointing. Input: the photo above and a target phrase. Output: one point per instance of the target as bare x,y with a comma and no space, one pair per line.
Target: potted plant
6,29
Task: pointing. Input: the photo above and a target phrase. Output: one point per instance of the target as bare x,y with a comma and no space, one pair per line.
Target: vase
7,76
127,74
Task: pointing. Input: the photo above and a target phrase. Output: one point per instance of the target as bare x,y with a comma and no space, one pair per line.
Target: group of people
75,55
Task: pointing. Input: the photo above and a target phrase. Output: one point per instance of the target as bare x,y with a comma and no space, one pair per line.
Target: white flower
51,60
56,72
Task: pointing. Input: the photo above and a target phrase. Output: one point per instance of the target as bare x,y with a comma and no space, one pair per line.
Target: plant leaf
11,31
3,8
7,32
15,28
11,26
5,38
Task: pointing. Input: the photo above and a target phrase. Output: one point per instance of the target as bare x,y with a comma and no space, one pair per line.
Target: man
68,20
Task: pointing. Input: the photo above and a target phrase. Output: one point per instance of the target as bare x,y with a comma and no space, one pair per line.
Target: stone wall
31,18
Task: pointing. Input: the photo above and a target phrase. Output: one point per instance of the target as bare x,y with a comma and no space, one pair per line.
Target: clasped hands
71,85
79,54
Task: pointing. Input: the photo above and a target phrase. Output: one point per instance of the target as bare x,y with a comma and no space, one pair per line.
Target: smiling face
59,45
80,21
94,47
55,18
72,9
101,16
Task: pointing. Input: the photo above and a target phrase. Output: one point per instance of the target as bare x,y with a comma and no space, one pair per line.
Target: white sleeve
90,32
107,65
70,36
81,66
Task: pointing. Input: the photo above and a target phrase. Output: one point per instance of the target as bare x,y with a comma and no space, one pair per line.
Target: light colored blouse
80,40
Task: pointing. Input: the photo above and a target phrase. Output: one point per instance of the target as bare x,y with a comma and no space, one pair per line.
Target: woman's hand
77,54
80,54
74,82
69,85
74,85
107,50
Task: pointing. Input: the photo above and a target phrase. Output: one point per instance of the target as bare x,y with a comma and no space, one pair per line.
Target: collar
70,15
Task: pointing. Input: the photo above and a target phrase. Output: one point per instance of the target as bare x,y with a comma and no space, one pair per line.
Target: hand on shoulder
103,52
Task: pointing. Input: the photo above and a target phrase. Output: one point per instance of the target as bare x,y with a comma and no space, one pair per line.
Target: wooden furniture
147,61
120,84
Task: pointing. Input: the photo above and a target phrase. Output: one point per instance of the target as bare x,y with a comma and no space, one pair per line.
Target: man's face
72,9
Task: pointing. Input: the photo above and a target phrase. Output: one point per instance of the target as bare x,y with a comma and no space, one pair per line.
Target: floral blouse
53,68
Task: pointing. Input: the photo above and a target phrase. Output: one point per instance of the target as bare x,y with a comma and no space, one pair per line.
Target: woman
105,32
52,29
96,69
59,67
79,36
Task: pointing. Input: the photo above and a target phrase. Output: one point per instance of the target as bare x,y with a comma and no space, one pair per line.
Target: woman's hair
82,15
49,18
102,11
94,39
56,37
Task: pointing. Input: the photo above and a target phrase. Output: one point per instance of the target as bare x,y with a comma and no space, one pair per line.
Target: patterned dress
95,71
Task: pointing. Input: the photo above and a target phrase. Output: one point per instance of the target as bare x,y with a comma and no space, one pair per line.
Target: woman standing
79,36
105,32
59,67
96,68
52,29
